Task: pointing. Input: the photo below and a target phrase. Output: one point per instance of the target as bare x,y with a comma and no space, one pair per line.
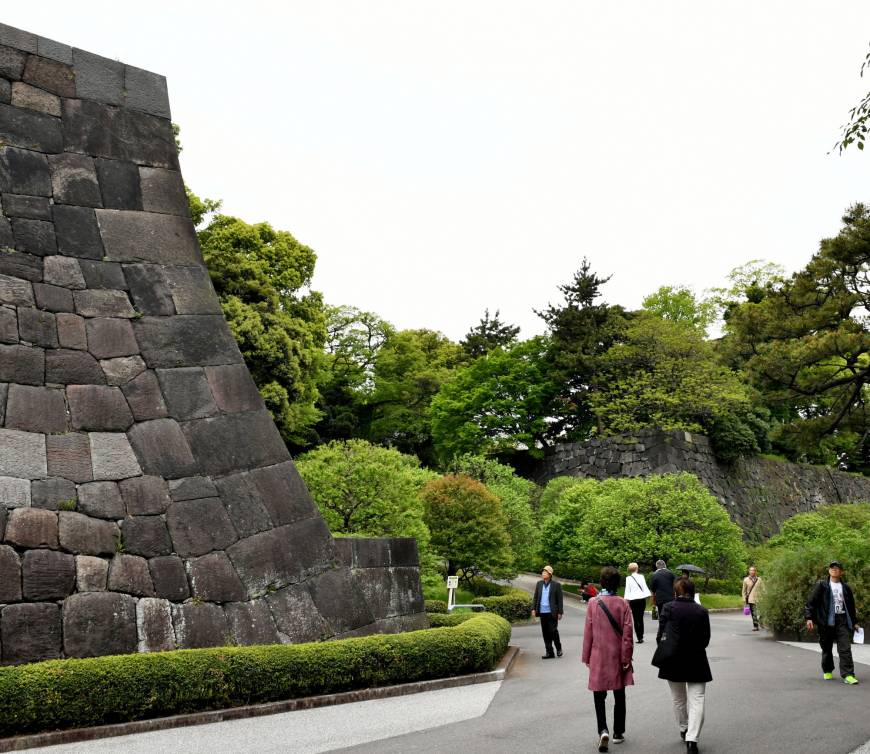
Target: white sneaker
603,741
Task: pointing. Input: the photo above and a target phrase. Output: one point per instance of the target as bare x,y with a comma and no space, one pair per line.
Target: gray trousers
688,707
840,633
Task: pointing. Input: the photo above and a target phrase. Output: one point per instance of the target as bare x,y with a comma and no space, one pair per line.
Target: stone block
101,500
91,573
109,338
37,327
192,291
103,275
16,264
185,340
244,505
169,577
53,493
119,184
50,75
162,449
149,289
148,237
146,536
98,407
187,393
24,95
112,457
15,292
89,536
5,91
344,548
32,527
154,625
283,493
403,552
30,129
192,488
296,616
407,591
48,48
23,171
53,298
335,598
145,495
370,552
103,303
144,397
22,40
30,633
14,492
10,575
11,62
251,623
7,237
4,392
213,579
123,369
99,623
69,456
70,367
146,91
74,180
34,236
215,446
163,191
22,454
129,574
78,234
233,388
375,585
64,271
3,516
98,78
198,527
199,626
36,409
47,575
8,326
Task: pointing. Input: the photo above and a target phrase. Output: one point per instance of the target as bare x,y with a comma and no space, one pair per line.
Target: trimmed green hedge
435,606
101,690
441,620
511,604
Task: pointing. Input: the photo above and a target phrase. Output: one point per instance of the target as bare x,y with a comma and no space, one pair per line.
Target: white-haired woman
636,593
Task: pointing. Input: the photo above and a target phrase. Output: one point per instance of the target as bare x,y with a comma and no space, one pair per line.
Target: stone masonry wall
147,501
758,493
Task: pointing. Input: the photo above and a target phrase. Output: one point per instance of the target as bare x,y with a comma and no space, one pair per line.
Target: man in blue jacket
831,609
548,605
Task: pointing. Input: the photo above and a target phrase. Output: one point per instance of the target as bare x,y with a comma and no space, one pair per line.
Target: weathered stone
71,331
213,579
27,128
70,367
296,615
50,75
109,338
101,500
192,488
11,62
69,456
283,493
16,264
91,573
154,624
144,396
146,91
10,575
145,495
89,536
342,606
403,552
98,407
129,574
375,587
5,91
198,626
198,527
32,527
22,454
244,504
53,494
47,575
21,205
14,492
146,536
30,633
53,298
77,232
98,78
16,292
149,289
216,450
186,339
162,449
170,580
24,95
8,325
112,457
103,303
163,191
3,516
107,275
36,409
121,370
192,291
34,236
187,393
37,327
4,391
48,48
99,623
119,182
367,552
74,180
64,271
23,171
233,389
148,237
251,623
407,592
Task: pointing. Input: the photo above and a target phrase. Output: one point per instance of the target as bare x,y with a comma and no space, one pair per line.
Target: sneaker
683,735
850,680
603,741
558,653
619,739
828,676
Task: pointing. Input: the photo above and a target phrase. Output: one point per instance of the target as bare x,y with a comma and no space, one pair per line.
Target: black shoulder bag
667,646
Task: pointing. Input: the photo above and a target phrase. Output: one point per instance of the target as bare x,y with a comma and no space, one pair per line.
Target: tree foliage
855,129
487,335
681,305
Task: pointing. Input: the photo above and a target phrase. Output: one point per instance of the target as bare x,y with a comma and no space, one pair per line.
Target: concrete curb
75,735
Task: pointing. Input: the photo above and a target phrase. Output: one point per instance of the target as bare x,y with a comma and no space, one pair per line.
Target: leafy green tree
468,527
641,519
551,496
855,130
500,402
487,335
680,304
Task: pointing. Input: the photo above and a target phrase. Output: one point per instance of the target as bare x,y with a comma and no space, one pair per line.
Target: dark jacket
662,586
820,603
689,623
555,597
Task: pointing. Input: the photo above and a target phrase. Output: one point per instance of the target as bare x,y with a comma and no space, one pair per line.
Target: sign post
452,585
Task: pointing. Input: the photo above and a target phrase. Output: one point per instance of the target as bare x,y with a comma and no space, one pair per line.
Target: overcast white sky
443,157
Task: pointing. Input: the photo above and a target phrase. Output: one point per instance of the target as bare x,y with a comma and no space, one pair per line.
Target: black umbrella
691,568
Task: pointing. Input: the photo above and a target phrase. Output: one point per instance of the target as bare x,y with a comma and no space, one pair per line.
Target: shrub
435,606
102,690
511,604
437,620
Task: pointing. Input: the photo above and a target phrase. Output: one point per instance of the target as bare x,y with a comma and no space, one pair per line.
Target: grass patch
440,593
718,601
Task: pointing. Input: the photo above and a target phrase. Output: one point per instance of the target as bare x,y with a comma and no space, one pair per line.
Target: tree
551,496
680,304
855,130
502,401
468,527
487,335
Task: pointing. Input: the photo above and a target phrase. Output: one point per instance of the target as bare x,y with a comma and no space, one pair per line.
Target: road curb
76,735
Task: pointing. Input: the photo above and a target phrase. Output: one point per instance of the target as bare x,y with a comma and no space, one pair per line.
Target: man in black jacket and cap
831,609
548,605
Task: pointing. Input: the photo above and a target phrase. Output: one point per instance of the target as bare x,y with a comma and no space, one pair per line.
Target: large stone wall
758,493
147,501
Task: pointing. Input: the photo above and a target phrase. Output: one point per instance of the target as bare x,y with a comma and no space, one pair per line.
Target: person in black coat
831,609
683,636
662,585
547,605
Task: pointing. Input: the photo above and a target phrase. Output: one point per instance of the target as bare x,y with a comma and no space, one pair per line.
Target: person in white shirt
636,593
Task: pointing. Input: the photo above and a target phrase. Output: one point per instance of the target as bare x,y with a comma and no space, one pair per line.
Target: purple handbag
747,610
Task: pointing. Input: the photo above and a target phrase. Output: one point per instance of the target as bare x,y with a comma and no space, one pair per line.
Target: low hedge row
101,690
510,603
435,606
442,620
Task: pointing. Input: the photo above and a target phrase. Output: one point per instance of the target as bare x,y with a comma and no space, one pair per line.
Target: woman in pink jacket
607,651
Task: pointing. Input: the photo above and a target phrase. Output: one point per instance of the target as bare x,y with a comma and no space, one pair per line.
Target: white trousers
688,707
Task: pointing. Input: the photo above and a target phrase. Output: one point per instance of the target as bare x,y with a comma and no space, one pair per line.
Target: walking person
548,606
636,593
752,586
831,609
607,652
662,585
681,656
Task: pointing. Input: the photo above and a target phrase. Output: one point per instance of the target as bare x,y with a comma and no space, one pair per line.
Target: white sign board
453,582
